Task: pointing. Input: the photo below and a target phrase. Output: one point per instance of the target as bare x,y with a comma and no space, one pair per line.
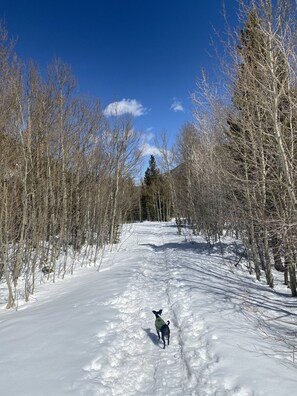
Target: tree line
65,173
238,158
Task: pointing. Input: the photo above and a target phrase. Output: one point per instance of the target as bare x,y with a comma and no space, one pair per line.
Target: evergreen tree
153,196
152,173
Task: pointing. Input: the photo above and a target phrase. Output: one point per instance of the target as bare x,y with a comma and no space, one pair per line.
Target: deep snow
93,333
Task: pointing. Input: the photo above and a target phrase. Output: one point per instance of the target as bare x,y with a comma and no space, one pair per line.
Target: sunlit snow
93,333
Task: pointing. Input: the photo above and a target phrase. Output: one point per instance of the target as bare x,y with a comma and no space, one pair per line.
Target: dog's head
157,313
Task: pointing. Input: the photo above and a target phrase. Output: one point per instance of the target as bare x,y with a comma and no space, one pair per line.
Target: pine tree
153,196
152,173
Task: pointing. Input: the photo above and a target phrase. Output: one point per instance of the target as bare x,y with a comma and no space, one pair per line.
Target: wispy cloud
176,105
148,135
147,146
125,106
148,149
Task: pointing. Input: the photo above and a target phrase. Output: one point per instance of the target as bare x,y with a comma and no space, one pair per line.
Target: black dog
162,327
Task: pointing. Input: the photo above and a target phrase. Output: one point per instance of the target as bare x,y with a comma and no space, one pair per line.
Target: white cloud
125,106
148,149
149,135
176,105
145,146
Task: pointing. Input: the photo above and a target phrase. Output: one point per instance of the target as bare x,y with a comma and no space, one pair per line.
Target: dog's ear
160,312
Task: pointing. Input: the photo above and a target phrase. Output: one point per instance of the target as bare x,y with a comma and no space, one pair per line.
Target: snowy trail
132,360
93,334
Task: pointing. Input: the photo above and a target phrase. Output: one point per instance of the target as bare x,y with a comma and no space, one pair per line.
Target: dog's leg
158,334
163,339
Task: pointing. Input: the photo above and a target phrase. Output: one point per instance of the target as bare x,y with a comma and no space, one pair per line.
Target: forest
69,174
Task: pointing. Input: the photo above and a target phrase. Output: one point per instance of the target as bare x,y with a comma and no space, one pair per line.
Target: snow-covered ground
93,333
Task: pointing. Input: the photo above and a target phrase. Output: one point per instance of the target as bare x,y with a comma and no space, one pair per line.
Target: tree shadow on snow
153,337
218,249
273,311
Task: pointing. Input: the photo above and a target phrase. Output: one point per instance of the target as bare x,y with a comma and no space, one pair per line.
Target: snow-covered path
131,359
93,334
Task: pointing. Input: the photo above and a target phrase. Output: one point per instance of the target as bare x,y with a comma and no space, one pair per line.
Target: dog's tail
168,322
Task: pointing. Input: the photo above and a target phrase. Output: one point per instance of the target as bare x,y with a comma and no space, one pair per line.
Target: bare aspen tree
122,144
10,169
168,164
185,150
204,178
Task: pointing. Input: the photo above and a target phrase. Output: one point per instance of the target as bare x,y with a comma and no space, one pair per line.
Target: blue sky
144,54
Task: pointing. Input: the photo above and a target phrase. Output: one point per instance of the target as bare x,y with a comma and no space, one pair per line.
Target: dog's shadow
153,337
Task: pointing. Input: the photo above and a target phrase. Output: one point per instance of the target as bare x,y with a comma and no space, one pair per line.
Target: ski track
128,359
